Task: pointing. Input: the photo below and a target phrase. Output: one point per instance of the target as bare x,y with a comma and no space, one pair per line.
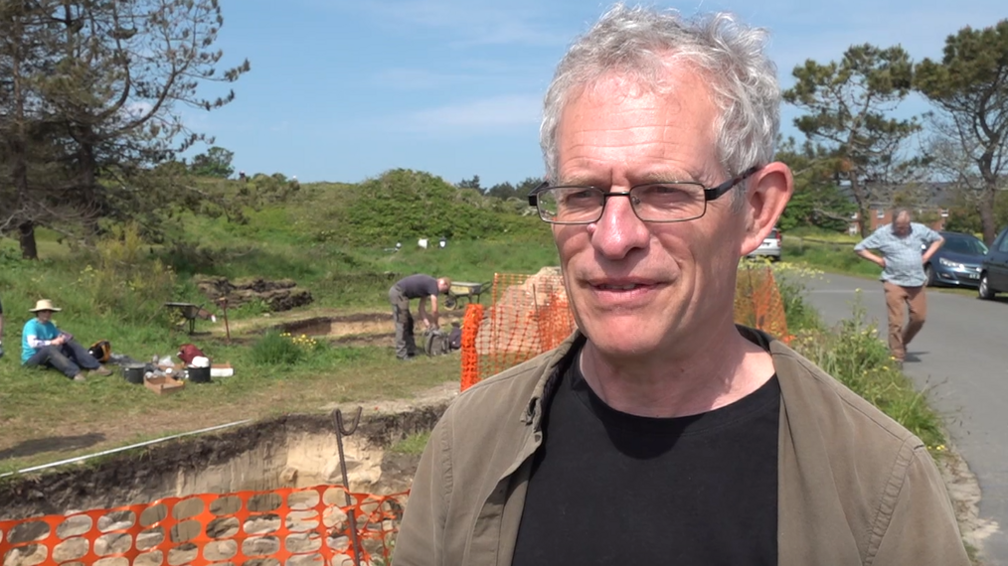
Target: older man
661,432
906,247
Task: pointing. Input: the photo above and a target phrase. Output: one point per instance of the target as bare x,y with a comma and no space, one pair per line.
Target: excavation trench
272,456
358,329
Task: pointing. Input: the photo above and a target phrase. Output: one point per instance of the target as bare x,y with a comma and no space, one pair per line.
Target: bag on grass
187,352
436,343
101,351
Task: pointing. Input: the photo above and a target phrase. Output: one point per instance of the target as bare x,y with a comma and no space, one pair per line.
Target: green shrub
854,355
123,280
413,444
791,282
403,205
275,348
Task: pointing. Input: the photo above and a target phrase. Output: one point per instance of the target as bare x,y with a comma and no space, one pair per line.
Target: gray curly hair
640,43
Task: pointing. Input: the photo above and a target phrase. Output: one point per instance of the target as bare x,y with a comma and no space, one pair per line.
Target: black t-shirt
418,286
612,488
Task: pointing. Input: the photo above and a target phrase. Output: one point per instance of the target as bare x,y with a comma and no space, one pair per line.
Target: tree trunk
988,223
26,234
861,199
87,193
864,214
18,143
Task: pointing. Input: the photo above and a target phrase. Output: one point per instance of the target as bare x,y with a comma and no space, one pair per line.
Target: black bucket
134,373
198,375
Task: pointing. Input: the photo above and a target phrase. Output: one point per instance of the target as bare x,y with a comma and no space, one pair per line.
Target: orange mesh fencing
758,302
470,359
283,526
530,314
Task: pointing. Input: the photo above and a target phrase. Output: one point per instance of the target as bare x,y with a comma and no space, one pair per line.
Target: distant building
932,203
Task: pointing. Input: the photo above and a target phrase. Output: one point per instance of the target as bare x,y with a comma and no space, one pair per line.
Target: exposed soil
158,471
355,329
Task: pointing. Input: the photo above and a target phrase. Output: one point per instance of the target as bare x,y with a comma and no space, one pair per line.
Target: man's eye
664,192
580,196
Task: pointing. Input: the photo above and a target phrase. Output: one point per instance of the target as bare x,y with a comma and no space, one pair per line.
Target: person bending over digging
43,345
418,286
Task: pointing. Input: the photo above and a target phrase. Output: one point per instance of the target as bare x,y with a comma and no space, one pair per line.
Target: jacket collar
563,355
558,361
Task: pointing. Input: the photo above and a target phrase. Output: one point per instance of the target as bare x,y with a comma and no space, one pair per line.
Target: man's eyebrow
646,179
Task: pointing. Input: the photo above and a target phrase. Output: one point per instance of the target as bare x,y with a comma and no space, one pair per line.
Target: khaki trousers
916,302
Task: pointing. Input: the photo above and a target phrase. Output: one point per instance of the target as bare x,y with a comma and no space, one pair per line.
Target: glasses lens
668,201
571,204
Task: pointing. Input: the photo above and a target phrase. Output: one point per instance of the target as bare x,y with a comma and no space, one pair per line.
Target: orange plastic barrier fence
470,359
530,314
758,302
284,526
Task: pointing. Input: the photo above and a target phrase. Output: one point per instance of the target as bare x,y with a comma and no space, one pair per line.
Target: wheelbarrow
471,292
191,312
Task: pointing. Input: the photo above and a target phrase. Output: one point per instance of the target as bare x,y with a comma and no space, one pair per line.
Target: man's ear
767,193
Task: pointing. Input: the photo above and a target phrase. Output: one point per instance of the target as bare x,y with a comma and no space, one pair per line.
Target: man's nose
619,230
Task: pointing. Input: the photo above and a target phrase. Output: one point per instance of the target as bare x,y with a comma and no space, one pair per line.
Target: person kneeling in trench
43,345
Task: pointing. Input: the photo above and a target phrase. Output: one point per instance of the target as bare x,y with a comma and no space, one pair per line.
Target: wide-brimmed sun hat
45,305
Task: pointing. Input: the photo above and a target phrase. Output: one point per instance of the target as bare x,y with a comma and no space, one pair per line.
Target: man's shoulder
515,385
505,394
883,231
878,236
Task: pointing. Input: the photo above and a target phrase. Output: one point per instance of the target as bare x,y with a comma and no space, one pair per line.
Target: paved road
961,355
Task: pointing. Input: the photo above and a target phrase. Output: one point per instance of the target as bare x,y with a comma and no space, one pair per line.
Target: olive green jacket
854,487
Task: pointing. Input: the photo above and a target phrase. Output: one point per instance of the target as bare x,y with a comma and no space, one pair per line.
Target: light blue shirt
34,336
904,256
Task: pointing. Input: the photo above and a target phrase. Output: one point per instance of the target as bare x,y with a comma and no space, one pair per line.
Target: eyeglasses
674,201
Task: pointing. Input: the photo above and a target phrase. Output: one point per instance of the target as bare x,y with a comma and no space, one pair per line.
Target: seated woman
43,345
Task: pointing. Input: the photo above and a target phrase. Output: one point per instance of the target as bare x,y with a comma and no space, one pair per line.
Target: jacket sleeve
919,527
420,541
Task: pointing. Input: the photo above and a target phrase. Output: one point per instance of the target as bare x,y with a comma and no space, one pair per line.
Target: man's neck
677,386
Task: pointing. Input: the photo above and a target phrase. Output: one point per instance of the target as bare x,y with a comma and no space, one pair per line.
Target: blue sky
342,91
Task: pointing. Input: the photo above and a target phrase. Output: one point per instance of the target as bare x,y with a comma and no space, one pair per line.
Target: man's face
640,288
901,225
44,316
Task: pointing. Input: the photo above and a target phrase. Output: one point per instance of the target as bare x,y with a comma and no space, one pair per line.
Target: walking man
660,432
418,286
905,247
44,345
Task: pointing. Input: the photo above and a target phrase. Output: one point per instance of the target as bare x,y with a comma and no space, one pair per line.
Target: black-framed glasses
672,201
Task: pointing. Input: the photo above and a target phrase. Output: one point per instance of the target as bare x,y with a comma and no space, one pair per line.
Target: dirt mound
281,295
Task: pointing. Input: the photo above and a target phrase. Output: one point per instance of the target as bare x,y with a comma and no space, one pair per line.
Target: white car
770,248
